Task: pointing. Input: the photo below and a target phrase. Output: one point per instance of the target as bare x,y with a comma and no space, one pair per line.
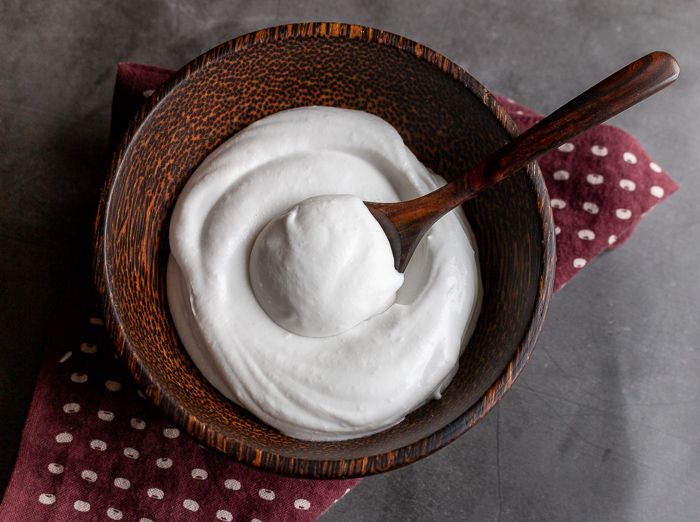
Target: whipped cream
324,267
321,349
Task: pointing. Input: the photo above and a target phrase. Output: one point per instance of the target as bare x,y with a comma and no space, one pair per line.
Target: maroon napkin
600,186
94,448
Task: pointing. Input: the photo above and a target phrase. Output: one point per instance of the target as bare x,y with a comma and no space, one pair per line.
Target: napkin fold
94,447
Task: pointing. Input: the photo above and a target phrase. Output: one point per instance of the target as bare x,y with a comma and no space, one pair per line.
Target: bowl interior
448,121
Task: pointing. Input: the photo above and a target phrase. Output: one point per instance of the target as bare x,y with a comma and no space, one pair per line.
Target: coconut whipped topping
324,267
282,285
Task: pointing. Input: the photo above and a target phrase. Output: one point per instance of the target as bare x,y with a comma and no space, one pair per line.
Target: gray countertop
603,423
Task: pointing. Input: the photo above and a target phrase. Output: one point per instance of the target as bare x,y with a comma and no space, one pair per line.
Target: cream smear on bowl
361,358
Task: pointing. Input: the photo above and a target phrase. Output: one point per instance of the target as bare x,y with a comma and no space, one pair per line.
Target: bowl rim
326,468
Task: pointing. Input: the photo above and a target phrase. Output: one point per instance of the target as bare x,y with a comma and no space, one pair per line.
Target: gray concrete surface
603,424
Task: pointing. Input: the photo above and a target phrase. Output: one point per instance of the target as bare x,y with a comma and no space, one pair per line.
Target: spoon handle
615,94
406,222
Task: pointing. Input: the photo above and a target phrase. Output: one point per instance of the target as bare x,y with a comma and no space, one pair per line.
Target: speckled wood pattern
94,446
445,117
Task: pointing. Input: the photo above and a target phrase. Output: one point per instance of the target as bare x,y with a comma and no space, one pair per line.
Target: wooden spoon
406,222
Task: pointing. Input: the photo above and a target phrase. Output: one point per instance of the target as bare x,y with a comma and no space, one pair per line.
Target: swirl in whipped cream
366,356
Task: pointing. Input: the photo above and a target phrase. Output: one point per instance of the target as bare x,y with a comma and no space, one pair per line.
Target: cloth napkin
94,448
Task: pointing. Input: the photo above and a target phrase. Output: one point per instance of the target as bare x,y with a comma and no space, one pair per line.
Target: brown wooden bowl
447,119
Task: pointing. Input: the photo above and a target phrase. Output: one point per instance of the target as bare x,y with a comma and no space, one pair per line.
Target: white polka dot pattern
266,494
47,498
105,415
302,504
156,493
600,185
104,444
199,474
190,505
232,484
98,445
82,506
567,147
122,483
56,469
131,453
657,192
64,438
595,179
88,348
79,377
224,516
590,207
71,407
89,475
171,433
164,463
599,150
628,184
623,213
113,385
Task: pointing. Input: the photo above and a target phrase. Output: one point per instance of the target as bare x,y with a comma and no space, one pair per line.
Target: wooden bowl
447,119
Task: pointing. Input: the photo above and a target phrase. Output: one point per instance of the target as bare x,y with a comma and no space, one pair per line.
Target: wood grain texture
406,222
447,119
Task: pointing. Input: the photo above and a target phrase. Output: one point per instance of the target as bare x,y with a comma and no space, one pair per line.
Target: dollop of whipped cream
365,378
324,267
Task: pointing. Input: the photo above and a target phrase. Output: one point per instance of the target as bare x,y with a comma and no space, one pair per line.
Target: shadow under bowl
446,118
